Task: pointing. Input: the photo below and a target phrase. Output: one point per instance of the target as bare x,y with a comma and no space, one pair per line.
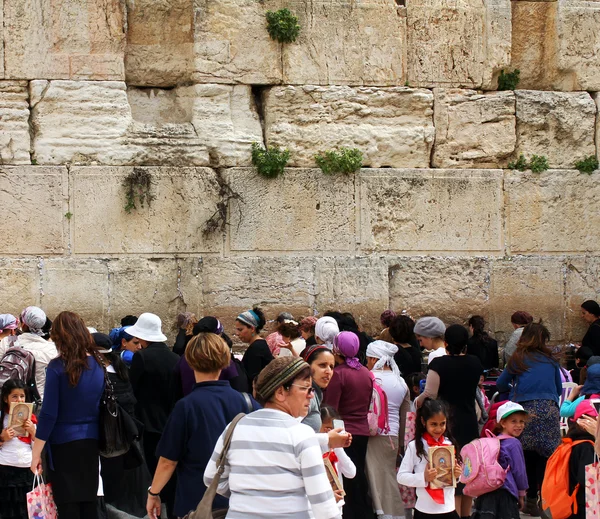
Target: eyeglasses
309,390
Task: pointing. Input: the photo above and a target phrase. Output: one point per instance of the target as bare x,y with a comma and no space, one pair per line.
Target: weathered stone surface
14,127
391,126
77,285
472,129
558,125
597,130
2,42
64,39
531,284
328,51
185,198
582,283
450,288
432,210
358,285
303,210
34,201
96,122
19,285
160,42
232,44
555,211
460,43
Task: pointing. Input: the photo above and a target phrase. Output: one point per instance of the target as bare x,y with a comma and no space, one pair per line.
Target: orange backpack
556,500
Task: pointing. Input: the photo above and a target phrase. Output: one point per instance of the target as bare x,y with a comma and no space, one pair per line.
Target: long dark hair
478,324
428,409
534,340
73,342
9,385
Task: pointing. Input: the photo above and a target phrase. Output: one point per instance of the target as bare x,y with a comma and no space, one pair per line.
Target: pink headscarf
275,342
346,344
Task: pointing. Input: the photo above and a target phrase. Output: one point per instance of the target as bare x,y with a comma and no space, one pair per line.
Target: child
482,403
431,430
338,457
506,502
16,479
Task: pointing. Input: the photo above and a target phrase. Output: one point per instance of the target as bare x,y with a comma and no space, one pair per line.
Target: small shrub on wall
269,162
346,160
282,26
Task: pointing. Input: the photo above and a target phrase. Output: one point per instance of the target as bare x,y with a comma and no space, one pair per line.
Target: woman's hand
589,424
30,428
153,506
429,474
36,464
7,434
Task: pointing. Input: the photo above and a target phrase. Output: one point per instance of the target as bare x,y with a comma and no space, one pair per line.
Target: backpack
481,471
378,417
18,363
556,500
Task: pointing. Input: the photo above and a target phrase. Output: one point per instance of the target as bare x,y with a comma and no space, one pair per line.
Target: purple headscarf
346,344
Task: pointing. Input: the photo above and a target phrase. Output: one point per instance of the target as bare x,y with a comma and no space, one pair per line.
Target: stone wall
433,223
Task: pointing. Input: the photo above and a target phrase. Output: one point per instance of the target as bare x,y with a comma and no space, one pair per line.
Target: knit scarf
437,494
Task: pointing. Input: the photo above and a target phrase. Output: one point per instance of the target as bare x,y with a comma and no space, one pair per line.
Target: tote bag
592,487
40,501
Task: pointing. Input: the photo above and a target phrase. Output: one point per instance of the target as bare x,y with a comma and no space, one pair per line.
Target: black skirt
75,471
499,504
15,483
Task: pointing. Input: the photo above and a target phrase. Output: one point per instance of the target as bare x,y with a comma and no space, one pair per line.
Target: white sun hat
148,328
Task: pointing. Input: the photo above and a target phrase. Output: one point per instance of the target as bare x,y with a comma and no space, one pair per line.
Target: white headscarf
326,328
384,351
35,319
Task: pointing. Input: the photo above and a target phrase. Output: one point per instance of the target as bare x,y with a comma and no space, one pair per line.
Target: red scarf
437,494
332,457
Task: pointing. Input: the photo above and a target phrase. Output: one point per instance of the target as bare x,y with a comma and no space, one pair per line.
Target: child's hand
7,434
339,495
575,393
457,471
521,502
29,427
430,474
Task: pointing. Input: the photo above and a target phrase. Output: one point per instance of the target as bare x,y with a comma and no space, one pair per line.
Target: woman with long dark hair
481,344
533,377
68,421
590,312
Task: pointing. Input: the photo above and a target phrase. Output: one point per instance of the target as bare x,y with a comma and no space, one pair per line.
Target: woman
185,324
590,312
124,344
68,421
248,326
383,448
321,362
326,328
125,478
295,483
518,320
195,425
408,358
454,378
307,330
533,377
481,344
430,334
8,332
349,392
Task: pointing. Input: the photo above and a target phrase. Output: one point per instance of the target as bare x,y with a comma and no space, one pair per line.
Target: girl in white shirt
431,430
15,455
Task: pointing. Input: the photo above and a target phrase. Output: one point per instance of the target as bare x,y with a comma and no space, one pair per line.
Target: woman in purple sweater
68,421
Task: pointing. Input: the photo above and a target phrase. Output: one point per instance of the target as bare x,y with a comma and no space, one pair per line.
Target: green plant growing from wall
282,26
508,81
68,215
520,164
346,160
538,163
138,187
269,162
587,165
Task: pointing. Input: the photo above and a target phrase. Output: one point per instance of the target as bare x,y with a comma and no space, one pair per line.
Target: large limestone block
558,125
358,285
19,284
582,283
328,51
450,288
2,42
555,211
303,210
64,39
185,198
433,210
232,44
34,201
77,285
392,127
534,285
473,129
14,125
457,43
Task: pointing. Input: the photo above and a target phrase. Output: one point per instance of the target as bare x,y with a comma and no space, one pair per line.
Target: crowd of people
334,423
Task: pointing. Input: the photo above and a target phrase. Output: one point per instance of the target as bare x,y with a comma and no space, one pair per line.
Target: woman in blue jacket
533,377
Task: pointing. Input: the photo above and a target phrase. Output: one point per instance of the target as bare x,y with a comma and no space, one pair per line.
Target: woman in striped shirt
274,465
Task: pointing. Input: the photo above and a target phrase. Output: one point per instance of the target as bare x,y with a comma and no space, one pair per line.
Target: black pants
168,492
82,510
535,466
423,515
357,501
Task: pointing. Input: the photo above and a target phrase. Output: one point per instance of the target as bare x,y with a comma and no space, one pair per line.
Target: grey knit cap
430,327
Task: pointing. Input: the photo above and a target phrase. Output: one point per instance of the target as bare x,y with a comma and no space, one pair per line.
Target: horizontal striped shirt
274,470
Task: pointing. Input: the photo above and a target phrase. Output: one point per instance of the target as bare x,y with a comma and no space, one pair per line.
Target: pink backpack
481,471
378,410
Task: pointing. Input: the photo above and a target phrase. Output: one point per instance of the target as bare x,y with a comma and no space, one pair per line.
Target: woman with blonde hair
195,425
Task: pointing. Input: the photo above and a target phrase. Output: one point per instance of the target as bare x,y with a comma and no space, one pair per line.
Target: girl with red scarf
431,431
15,456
